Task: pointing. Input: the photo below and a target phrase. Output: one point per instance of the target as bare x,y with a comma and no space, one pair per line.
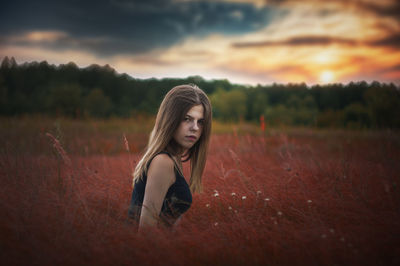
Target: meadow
286,196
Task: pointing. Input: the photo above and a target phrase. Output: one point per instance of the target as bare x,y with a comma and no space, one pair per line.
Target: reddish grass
311,199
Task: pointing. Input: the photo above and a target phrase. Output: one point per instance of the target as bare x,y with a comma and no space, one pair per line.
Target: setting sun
326,76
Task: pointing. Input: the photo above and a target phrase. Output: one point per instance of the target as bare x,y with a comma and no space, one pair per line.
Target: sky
245,41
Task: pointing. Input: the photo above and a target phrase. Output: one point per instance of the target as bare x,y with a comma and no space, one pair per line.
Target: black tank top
177,200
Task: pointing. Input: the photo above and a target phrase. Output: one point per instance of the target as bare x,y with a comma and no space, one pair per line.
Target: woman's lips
191,138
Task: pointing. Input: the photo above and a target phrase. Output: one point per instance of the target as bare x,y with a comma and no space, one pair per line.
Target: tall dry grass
290,197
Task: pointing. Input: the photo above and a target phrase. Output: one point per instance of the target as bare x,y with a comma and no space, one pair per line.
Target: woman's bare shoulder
162,166
163,160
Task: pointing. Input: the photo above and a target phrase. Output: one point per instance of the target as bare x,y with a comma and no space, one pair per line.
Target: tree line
99,91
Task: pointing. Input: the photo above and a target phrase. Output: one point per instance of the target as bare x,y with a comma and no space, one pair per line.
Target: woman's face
190,128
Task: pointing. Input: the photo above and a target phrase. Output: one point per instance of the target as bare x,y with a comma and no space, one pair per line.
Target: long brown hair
177,102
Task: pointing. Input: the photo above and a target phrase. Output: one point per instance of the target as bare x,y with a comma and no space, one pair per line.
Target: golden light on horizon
326,76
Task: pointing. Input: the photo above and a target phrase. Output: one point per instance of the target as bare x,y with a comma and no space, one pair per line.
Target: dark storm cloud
390,41
120,27
298,41
389,9
392,10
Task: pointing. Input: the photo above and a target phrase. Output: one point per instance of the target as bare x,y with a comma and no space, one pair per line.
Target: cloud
298,41
388,41
382,8
394,68
115,27
391,41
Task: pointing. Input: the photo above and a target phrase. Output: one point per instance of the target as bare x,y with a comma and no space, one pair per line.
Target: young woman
181,133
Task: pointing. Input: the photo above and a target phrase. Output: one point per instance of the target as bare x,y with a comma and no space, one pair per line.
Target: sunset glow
243,41
326,77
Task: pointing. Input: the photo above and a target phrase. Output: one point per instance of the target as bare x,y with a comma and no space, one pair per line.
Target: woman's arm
160,176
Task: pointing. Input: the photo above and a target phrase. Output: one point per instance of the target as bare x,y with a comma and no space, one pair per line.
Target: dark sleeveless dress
177,200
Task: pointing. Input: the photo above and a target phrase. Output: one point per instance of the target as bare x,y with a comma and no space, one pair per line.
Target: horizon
309,86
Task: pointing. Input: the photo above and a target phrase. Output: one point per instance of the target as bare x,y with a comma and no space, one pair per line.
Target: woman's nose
195,126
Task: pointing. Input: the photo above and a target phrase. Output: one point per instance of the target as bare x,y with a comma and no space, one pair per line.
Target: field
289,196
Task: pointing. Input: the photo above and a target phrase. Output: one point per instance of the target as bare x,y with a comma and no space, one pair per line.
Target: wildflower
266,199
332,230
342,239
244,197
233,194
216,224
235,211
208,205
230,208
216,194
279,213
309,201
323,236
258,192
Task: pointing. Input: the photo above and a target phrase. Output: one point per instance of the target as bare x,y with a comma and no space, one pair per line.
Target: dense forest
99,91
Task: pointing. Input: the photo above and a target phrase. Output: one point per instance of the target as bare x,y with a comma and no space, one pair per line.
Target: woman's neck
176,150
